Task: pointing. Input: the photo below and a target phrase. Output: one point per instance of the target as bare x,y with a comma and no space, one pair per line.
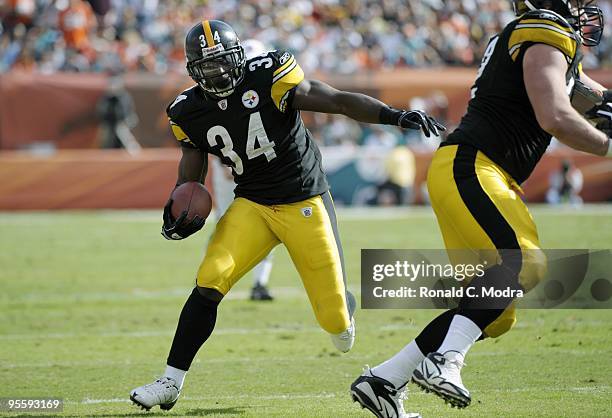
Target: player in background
223,185
520,99
247,113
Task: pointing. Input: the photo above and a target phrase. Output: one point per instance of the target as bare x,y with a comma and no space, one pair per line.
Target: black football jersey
500,120
256,132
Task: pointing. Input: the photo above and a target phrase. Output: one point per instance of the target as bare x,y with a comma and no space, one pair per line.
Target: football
192,197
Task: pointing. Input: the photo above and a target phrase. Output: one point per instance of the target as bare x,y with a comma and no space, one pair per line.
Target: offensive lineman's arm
591,83
544,69
317,96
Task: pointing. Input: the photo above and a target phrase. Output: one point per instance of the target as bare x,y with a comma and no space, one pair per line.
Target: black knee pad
208,296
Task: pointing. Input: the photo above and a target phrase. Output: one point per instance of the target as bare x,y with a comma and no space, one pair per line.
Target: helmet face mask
218,74
585,17
218,68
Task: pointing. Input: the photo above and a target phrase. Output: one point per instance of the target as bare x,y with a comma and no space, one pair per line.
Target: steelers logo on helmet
215,57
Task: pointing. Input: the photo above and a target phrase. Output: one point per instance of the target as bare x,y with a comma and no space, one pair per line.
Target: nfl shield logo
307,212
222,104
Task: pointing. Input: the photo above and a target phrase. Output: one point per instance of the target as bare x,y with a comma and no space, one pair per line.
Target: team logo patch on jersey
250,99
307,212
222,104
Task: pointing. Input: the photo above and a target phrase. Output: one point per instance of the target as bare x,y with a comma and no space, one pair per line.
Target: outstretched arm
317,96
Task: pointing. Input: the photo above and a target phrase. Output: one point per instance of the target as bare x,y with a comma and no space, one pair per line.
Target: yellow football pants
478,208
247,232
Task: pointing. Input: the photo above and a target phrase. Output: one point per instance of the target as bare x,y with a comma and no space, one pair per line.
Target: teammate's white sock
261,272
177,375
461,335
398,369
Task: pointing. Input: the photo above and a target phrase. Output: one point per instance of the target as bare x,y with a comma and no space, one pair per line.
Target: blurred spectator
565,185
117,117
400,168
341,36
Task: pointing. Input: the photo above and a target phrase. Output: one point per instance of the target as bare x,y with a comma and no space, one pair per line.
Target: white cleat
380,397
345,340
441,374
163,392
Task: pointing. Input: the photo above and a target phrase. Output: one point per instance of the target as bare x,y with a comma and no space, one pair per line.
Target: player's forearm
192,167
591,83
571,129
361,107
316,96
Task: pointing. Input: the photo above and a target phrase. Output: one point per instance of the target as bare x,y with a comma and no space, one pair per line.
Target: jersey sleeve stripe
282,85
546,22
514,51
545,26
179,134
284,66
284,72
540,33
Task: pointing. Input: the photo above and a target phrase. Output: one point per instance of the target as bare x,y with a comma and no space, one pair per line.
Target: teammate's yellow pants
247,232
478,208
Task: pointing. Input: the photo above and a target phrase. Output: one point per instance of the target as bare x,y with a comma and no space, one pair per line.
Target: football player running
223,185
247,113
520,99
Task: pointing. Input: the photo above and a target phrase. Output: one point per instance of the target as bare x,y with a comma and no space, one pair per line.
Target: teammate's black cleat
380,397
260,292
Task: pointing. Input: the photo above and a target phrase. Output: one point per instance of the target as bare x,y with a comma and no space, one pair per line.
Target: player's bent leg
241,239
196,323
492,216
314,247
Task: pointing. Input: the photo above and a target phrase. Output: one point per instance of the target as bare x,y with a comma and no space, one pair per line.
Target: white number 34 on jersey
256,135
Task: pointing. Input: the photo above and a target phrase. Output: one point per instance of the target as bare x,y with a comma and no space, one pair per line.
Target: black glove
602,116
181,228
416,119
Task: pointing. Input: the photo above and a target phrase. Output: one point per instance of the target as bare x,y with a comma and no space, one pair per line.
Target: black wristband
389,116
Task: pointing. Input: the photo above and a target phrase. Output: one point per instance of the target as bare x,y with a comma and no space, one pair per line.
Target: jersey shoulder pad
181,103
286,76
543,27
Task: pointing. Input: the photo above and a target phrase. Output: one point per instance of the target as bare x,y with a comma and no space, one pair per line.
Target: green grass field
90,300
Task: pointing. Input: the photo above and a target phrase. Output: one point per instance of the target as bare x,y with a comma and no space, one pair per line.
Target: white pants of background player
223,186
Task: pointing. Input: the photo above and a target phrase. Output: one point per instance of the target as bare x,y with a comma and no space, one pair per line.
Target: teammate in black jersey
247,113
519,101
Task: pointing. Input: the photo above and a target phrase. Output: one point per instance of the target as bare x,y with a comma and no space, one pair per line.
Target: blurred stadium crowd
340,36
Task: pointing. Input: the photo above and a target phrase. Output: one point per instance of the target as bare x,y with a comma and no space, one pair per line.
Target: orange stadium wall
113,179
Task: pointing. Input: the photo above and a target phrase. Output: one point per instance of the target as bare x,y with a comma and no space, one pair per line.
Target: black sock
484,310
195,325
430,339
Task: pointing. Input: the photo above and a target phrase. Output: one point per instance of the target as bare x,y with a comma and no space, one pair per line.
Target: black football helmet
215,57
585,17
